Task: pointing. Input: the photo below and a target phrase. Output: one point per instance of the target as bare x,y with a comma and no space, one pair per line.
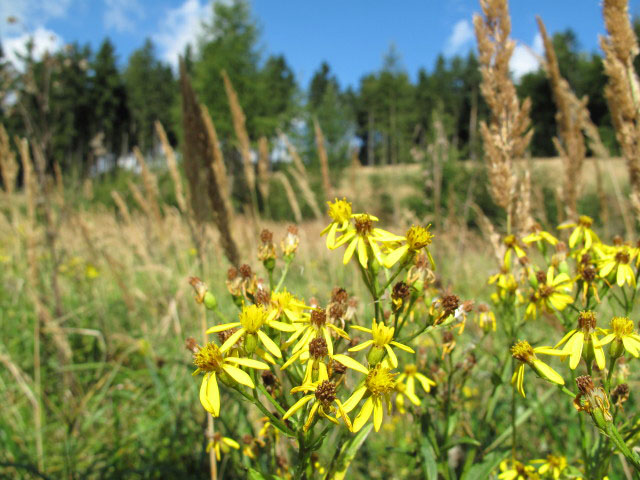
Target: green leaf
348,452
481,471
429,466
461,441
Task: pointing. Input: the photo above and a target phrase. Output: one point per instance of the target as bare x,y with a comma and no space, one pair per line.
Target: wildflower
290,242
409,376
485,318
420,274
417,239
506,285
267,250
210,360
220,443
284,305
576,339
324,397
554,465
618,261
588,274
317,326
526,354
90,271
340,213
512,244
582,232
539,235
593,400
378,385
399,295
443,307
381,341
517,471
364,237
552,290
623,336
252,319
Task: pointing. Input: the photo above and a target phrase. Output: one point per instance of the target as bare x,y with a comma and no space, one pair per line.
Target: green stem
285,271
276,422
615,437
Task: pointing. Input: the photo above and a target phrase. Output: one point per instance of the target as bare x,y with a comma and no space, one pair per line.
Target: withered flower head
318,348
620,394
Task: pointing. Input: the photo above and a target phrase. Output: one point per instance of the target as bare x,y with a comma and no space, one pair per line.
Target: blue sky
352,35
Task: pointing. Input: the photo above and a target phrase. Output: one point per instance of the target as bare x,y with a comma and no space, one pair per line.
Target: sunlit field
238,297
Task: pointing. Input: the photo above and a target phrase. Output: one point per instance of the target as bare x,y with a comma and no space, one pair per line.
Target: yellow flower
553,465
539,235
512,244
516,471
618,261
340,213
252,319
623,335
284,304
552,290
222,443
526,354
417,239
91,272
210,360
485,318
408,388
324,396
582,232
381,342
576,339
378,385
365,237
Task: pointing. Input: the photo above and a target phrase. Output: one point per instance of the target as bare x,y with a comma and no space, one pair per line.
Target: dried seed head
339,295
292,229
266,236
245,271
326,392
338,368
585,259
588,273
318,348
191,345
262,297
337,310
318,317
541,277
620,394
447,337
224,336
232,273
450,303
401,291
617,240
585,384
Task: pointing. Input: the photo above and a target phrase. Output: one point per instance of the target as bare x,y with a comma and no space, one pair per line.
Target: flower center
326,392
410,369
382,334
340,210
585,221
364,225
621,326
450,303
523,351
380,380
622,256
252,318
318,348
208,358
419,237
587,322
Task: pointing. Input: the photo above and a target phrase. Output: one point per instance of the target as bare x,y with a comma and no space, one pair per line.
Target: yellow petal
392,356
312,414
547,372
269,344
350,363
296,406
231,341
247,362
361,346
377,413
364,415
222,327
213,394
574,346
238,375
283,327
348,253
203,394
363,256
354,399
403,347
396,255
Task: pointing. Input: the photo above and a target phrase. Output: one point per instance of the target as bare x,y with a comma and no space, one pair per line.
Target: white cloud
461,35
30,14
44,40
122,15
181,26
526,59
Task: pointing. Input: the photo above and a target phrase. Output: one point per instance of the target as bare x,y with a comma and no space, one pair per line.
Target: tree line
80,106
